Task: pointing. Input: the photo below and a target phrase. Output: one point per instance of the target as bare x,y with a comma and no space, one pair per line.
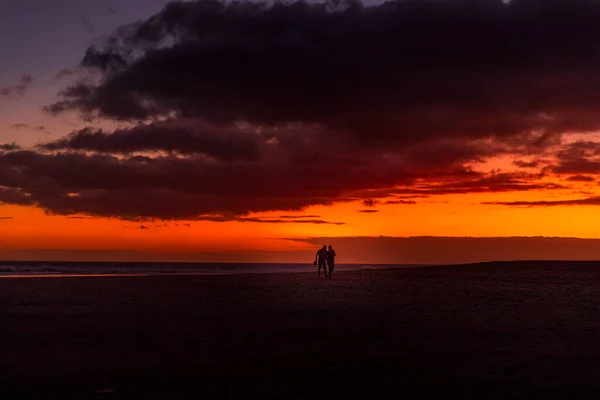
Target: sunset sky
200,131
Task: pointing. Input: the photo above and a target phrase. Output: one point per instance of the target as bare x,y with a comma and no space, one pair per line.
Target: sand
491,331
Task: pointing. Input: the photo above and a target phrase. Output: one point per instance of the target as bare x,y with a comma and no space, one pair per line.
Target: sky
207,131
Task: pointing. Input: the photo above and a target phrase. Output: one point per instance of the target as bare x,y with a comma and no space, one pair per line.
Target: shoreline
166,272
189,274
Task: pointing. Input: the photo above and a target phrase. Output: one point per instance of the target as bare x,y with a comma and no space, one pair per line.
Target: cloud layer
19,88
402,70
246,107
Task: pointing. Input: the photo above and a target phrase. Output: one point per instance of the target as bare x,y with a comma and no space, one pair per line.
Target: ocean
20,268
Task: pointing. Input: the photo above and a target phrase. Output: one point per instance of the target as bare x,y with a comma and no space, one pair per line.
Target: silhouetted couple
324,259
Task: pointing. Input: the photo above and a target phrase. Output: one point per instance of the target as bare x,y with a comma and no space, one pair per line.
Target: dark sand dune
504,330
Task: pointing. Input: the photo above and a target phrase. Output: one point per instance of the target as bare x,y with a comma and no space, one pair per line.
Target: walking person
321,261
330,259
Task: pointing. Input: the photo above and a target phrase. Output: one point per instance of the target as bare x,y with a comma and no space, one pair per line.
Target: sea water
17,268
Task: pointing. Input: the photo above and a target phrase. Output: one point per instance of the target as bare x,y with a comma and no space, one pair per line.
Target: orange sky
448,215
30,229
455,142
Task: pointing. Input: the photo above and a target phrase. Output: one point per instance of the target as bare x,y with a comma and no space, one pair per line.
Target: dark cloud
401,70
260,220
104,185
368,211
494,182
299,142
578,158
38,128
244,107
527,164
182,136
9,147
400,202
412,196
144,227
298,216
197,187
232,170
253,170
15,196
288,221
589,201
5,218
580,178
64,73
579,149
370,202
19,88
577,166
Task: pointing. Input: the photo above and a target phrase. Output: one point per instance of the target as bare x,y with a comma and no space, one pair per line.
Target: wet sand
505,330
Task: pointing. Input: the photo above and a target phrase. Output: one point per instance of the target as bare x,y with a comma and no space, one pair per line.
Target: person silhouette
330,259
321,260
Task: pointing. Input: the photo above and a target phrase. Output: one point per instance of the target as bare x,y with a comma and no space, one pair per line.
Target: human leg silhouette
324,266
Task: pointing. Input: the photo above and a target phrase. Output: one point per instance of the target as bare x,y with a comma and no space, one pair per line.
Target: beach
498,330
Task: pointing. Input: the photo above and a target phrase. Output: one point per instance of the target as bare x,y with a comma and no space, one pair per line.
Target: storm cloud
401,70
175,187
233,108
